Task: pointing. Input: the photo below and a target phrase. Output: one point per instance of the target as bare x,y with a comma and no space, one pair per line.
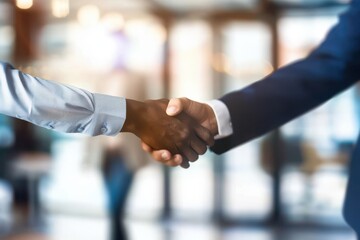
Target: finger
174,161
175,106
190,154
179,160
182,161
205,135
161,155
146,147
198,146
185,163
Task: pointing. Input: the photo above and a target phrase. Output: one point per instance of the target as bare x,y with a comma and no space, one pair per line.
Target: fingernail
171,110
165,156
185,165
178,160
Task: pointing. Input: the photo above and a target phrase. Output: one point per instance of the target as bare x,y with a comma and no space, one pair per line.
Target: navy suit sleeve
299,87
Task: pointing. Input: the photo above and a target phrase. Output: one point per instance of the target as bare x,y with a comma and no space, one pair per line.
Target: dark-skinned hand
179,134
200,113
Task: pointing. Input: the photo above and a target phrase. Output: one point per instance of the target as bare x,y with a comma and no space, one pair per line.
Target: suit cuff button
104,130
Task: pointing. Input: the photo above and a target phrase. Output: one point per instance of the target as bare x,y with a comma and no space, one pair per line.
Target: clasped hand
174,132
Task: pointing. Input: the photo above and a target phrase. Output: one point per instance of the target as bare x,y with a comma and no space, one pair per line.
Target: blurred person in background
287,93
120,156
32,144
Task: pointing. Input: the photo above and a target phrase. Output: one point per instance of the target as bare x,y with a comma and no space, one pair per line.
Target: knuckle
181,146
185,134
208,136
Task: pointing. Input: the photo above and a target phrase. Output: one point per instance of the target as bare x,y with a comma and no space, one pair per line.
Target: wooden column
167,22
27,26
218,90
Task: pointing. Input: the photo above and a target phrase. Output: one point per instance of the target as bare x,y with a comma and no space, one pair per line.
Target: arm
59,107
298,87
73,110
289,91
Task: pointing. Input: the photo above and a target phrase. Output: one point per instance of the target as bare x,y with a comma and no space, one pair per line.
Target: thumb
174,107
146,147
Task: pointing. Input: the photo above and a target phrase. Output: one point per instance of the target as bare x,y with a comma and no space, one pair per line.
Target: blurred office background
288,185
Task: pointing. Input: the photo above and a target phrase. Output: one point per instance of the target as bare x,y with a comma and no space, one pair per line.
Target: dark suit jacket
299,87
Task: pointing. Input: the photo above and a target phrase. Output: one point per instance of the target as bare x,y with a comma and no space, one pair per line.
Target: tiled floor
77,228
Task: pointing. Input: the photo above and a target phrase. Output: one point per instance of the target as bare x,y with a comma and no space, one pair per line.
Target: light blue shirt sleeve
59,107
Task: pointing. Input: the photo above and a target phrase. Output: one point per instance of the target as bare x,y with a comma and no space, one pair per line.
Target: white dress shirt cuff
110,114
223,118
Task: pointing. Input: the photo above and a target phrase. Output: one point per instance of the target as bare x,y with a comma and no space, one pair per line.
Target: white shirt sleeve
59,107
223,118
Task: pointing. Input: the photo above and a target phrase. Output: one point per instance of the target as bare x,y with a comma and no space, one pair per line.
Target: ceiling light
24,4
60,8
88,15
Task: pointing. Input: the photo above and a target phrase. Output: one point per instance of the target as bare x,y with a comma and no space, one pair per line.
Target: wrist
222,118
214,129
133,108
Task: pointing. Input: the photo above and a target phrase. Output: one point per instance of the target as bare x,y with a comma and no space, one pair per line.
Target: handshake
175,132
